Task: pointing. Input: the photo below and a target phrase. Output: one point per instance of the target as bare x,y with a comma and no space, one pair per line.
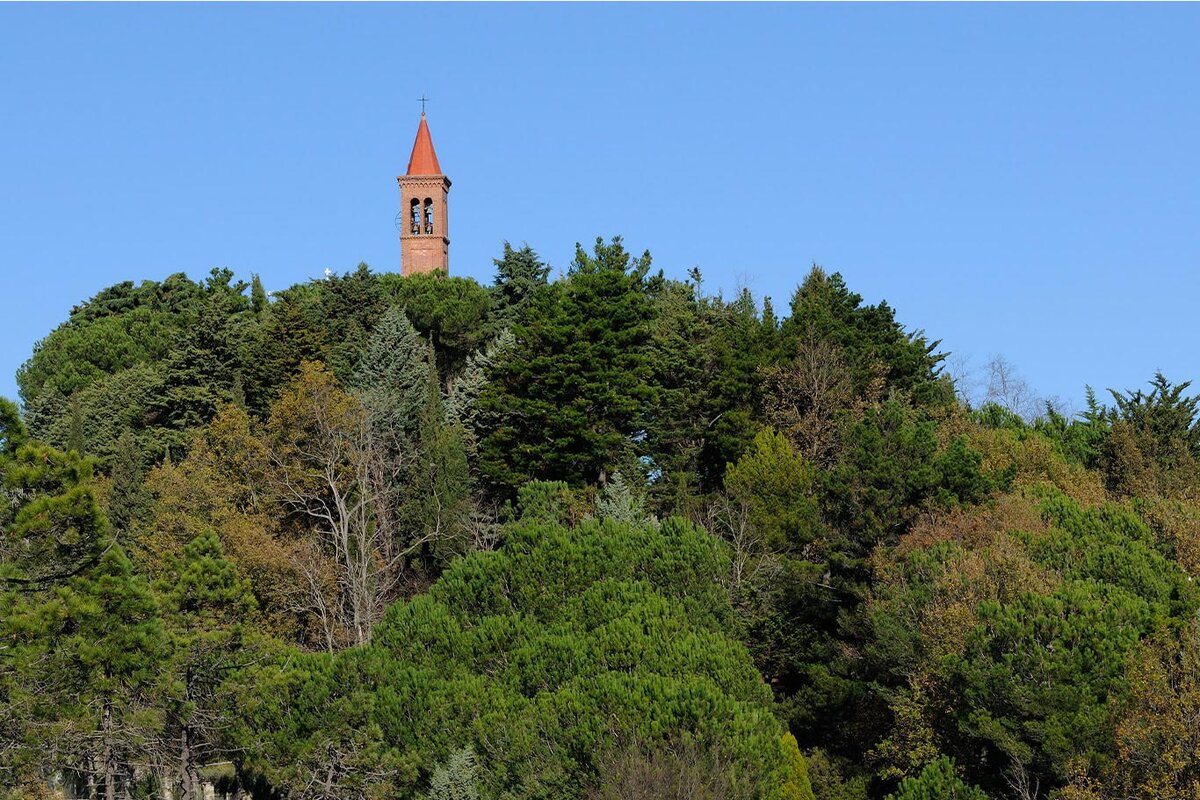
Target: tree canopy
604,534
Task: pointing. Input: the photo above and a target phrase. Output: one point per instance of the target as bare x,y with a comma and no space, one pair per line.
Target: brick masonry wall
424,252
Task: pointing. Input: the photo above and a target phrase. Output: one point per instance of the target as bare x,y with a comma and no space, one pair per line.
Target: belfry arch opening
428,215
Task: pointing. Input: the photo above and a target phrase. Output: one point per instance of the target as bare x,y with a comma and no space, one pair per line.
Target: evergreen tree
681,355
453,314
572,398
106,647
200,371
619,503
207,608
548,652
457,779
545,501
53,526
1165,414
743,343
519,274
12,430
462,402
127,500
45,412
1153,445
778,489
75,431
258,295
937,781
104,409
825,308
392,377
345,309
54,540
279,346
437,495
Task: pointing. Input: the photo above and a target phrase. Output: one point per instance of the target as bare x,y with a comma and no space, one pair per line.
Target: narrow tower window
428,215
415,216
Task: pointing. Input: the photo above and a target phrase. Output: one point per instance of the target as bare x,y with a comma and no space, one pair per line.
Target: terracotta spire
423,160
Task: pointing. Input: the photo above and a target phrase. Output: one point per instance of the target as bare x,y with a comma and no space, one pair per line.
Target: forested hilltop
606,536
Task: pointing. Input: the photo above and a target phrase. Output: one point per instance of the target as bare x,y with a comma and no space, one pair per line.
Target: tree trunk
91,776
186,787
110,755
190,776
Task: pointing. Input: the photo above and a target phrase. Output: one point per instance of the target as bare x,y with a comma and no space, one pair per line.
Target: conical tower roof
423,160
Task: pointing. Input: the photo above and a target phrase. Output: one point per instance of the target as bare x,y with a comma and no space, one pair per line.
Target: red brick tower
424,233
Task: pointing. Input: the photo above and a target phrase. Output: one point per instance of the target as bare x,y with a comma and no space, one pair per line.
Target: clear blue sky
1015,179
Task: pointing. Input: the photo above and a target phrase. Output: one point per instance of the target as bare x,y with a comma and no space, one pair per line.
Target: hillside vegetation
601,537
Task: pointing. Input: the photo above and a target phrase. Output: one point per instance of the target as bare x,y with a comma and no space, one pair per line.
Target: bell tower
424,233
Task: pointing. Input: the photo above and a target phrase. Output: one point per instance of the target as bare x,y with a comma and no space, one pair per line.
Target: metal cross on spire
423,100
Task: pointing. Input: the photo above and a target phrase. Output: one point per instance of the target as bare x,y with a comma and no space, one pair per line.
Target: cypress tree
258,295
75,431
127,499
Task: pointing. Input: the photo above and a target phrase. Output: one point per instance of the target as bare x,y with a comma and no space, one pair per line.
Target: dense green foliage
570,401
536,656
937,782
595,537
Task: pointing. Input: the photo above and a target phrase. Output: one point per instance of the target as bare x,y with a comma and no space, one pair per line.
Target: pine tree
12,430
453,314
103,662
938,781
740,346
53,533
53,526
347,308
206,606
279,346
824,308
